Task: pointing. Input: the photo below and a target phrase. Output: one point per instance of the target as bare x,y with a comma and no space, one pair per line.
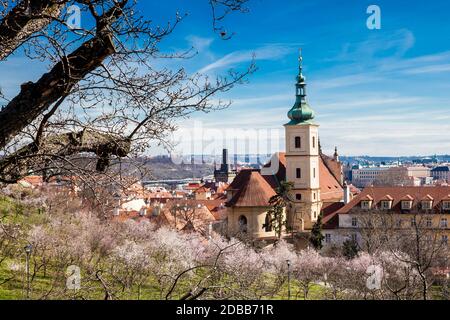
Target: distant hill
161,168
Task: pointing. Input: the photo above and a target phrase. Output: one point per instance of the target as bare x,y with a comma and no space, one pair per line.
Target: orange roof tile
330,219
407,197
400,193
330,187
34,180
428,197
250,190
202,189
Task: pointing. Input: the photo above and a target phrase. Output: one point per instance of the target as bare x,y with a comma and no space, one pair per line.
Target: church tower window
298,143
299,173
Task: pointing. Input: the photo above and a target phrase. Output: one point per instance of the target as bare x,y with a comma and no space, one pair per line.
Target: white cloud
371,103
270,52
393,45
199,43
437,68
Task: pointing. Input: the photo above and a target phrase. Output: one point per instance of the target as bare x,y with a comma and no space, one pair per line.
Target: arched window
314,142
243,224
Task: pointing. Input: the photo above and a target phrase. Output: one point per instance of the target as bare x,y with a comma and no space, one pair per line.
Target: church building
317,179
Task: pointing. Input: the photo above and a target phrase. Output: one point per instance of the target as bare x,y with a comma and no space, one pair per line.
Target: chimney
347,194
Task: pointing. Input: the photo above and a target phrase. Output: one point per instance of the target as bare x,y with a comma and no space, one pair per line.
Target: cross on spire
301,80
300,60
301,112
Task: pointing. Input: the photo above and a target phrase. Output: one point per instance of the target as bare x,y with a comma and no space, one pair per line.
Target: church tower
302,159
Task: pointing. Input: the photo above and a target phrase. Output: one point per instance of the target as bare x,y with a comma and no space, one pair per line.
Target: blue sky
375,92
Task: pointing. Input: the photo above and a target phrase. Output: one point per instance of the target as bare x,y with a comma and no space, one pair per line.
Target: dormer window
366,204
386,202
406,205
386,205
446,205
427,204
407,202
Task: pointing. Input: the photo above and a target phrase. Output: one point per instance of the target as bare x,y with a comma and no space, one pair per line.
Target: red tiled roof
274,180
196,221
354,190
126,215
428,197
330,187
218,188
250,190
34,180
400,193
333,166
202,189
367,197
330,219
